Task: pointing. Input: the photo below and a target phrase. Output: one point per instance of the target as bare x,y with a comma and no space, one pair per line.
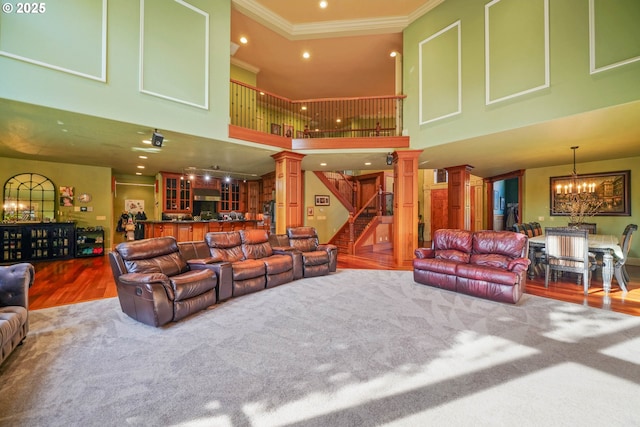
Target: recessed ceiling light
367,163
138,173
146,141
243,40
306,55
140,167
323,4
142,157
60,122
323,164
393,54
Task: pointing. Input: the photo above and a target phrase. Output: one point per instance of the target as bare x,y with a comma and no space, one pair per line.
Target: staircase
341,239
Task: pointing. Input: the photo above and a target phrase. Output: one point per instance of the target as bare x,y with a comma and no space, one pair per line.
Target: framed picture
276,129
310,211
611,190
288,130
322,200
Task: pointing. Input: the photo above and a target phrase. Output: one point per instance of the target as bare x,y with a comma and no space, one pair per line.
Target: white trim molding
592,46
102,77
547,79
458,27
205,104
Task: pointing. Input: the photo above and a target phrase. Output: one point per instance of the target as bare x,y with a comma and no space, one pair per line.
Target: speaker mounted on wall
157,138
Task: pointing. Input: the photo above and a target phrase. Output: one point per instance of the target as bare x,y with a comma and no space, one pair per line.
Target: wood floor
85,279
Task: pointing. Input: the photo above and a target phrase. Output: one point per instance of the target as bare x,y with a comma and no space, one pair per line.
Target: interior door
439,209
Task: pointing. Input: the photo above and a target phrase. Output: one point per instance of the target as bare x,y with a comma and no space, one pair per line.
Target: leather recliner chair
317,259
155,284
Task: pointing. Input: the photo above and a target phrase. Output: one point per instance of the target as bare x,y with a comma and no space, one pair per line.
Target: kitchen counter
186,231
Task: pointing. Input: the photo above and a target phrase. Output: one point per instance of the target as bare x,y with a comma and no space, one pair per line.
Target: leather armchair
317,259
280,263
15,281
155,284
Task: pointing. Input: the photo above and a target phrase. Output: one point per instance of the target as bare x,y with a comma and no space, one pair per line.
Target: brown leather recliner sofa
486,264
317,259
15,281
156,285
244,261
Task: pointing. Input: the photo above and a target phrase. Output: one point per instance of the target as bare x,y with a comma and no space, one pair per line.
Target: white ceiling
278,30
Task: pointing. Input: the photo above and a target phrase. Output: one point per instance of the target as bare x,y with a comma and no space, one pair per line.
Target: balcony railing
257,110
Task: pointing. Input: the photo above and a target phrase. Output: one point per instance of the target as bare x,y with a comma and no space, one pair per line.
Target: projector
156,139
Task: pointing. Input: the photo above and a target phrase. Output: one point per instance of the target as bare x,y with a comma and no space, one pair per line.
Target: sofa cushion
276,264
486,274
453,244
443,266
159,255
507,243
226,246
316,258
492,260
255,244
248,269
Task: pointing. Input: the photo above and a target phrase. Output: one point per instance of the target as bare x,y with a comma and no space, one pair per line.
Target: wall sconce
389,159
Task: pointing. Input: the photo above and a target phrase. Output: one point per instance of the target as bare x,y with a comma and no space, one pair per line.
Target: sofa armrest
15,281
519,265
223,271
149,280
332,250
425,253
204,261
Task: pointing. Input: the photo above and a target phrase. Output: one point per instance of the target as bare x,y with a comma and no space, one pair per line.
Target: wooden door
439,210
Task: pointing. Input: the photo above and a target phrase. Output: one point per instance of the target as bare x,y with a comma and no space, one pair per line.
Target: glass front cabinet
177,193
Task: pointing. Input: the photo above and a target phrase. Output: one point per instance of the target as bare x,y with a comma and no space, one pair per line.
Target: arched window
29,197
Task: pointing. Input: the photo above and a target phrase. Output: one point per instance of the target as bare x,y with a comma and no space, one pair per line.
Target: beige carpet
356,348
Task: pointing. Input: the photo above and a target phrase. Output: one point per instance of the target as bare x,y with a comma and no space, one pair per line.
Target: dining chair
591,227
567,250
619,268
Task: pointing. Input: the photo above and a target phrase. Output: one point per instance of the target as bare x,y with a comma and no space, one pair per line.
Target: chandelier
578,199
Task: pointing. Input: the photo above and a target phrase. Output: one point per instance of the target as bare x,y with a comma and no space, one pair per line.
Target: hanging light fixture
579,199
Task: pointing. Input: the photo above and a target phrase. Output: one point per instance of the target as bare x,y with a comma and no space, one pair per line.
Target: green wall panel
516,40
440,74
54,38
615,32
175,53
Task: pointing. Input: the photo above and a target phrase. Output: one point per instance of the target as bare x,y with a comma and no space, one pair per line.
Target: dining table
607,245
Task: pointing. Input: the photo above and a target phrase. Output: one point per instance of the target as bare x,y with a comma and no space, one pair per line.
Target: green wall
326,219
572,89
84,179
174,47
536,198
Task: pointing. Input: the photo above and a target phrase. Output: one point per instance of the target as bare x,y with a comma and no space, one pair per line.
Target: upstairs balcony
331,123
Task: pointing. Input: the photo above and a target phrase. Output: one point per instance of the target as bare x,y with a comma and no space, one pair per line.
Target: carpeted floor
356,348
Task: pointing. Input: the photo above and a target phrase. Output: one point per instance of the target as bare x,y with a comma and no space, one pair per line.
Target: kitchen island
186,231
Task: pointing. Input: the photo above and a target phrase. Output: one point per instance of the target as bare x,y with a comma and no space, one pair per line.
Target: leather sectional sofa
15,281
486,264
160,280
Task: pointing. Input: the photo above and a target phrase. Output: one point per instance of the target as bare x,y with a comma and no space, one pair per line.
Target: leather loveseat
245,262
15,281
156,285
486,264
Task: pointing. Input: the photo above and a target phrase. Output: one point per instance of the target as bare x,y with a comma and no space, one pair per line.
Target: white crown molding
325,29
245,65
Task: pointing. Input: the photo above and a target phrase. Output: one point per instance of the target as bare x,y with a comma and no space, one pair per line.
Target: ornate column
405,205
459,189
289,190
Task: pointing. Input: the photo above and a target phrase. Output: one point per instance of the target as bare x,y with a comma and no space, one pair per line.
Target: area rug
355,348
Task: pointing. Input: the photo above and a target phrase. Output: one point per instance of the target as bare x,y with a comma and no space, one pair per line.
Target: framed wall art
609,191
322,200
